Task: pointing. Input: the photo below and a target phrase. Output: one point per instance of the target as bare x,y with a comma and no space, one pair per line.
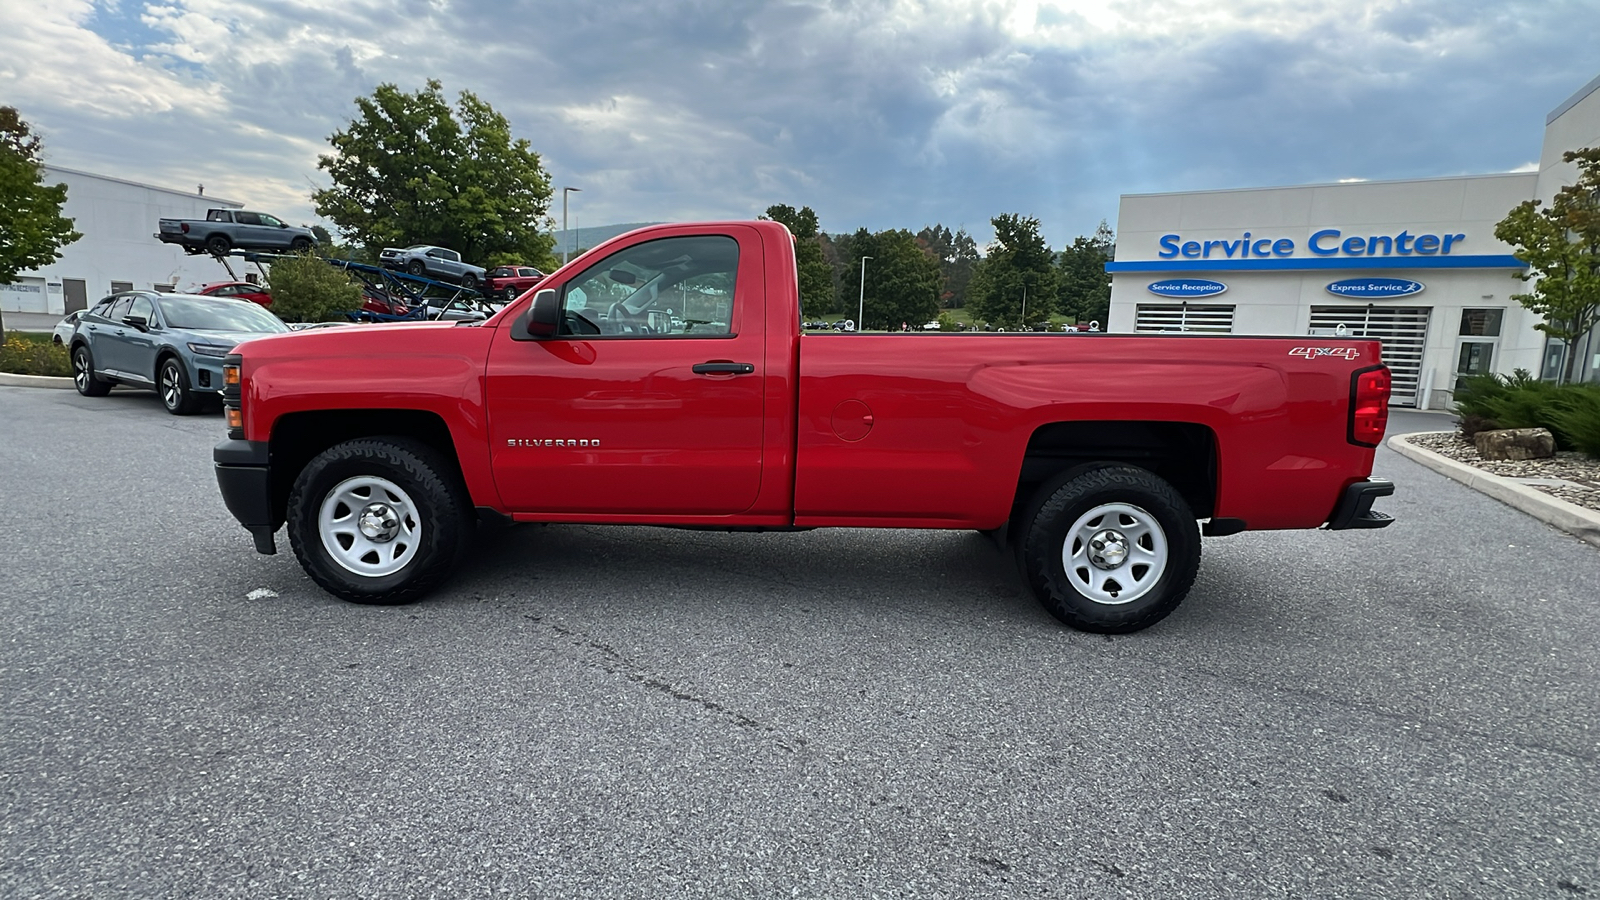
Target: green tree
957,255
32,229
1561,245
816,276
1015,284
410,170
902,281
307,289
1083,291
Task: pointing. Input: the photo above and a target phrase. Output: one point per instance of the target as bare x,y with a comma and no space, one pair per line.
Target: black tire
509,294
469,281
300,245
439,502
1148,521
415,267
172,386
83,376
218,245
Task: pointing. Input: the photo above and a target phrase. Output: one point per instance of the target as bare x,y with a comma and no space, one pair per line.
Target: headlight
217,350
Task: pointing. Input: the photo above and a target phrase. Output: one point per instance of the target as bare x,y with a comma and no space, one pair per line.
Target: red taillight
1369,406
184,226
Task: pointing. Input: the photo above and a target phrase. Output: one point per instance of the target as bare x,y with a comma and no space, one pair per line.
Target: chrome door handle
723,367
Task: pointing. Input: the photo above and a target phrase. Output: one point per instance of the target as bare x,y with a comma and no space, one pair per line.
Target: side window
247,218
144,308
268,220
436,253
217,215
450,255
120,308
673,287
103,308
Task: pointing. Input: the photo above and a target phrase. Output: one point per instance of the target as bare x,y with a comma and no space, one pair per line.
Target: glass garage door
1402,329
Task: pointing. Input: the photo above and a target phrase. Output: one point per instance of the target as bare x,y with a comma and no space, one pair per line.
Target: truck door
649,400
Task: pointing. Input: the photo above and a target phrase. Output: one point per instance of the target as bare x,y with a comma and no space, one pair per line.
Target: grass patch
28,353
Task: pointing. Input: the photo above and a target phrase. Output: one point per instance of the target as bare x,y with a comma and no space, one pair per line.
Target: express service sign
1374,288
1186,287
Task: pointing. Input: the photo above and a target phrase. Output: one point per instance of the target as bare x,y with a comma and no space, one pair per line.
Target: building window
118,287
1210,318
1475,345
166,288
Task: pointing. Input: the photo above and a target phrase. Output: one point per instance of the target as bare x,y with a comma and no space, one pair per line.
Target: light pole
861,301
564,192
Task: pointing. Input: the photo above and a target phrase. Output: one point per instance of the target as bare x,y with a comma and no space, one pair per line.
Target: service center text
1327,242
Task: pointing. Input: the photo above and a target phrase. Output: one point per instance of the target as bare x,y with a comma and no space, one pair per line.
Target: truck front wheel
378,520
1110,550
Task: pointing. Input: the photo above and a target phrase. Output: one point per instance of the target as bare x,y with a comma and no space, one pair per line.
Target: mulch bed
1580,470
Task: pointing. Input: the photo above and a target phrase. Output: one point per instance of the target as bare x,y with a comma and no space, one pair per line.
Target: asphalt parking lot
636,712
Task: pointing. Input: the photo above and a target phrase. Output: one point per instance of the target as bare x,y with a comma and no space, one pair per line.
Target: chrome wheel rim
1115,553
80,370
171,386
369,526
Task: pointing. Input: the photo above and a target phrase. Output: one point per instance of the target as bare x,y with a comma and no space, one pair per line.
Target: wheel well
1181,453
298,437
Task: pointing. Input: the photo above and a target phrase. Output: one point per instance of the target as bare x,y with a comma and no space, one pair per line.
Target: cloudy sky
879,114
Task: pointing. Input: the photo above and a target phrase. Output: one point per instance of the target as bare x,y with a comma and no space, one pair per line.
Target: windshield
205,314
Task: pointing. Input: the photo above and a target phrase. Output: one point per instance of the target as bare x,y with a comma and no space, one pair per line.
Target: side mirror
544,314
139,322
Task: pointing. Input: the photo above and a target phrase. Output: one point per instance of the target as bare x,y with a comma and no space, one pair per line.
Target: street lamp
861,301
564,192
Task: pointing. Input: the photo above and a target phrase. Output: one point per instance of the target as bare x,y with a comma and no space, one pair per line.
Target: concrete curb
1569,517
37,381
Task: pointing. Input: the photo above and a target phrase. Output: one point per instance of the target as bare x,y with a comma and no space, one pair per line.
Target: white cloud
884,114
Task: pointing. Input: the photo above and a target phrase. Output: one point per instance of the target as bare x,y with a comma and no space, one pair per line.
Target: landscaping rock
1516,443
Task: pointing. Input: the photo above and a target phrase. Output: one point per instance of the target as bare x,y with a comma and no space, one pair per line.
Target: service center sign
1327,242
1186,287
1375,288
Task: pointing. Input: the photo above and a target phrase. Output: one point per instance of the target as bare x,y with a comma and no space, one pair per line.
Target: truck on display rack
662,378
226,230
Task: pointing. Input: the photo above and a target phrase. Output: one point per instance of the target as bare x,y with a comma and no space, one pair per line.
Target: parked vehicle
438,263
643,388
224,230
238,290
62,333
507,283
173,344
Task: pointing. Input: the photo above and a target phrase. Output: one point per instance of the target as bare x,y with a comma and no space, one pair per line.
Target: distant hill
576,240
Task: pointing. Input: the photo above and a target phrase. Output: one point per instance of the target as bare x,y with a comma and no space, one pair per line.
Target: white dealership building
118,250
1414,263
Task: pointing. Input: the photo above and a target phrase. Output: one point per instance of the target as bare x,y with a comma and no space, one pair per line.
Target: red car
239,290
664,381
510,282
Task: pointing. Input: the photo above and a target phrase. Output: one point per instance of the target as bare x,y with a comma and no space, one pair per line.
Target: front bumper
245,478
1355,507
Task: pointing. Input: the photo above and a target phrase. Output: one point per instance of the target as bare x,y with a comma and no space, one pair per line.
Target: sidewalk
23,321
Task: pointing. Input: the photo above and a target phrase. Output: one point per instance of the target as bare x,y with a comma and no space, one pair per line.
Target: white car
66,328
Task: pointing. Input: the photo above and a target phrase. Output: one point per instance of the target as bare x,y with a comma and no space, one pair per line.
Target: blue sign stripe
1343,262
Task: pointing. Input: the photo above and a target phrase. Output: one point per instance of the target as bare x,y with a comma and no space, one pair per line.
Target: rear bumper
245,478
1355,507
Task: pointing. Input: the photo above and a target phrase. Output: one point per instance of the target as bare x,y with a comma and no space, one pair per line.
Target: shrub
1488,402
21,356
1577,414
306,289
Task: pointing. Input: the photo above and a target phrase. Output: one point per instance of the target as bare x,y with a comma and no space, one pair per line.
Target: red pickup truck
662,378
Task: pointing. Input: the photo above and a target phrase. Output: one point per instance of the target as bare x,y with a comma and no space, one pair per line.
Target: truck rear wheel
378,520
1110,550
